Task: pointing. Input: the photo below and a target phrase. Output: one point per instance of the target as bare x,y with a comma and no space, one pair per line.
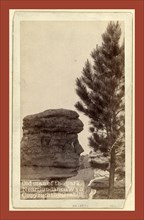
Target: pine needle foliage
101,89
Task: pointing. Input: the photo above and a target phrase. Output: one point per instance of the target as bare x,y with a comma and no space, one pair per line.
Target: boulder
101,179
96,183
99,160
50,146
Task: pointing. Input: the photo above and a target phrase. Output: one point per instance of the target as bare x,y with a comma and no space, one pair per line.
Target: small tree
101,90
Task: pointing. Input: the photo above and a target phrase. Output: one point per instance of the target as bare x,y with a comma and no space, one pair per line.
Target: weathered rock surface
99,160
52,124
50,146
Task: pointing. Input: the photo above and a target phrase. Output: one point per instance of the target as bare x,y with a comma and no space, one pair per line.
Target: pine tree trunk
112,174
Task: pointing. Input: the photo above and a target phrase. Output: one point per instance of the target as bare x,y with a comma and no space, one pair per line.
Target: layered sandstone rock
50,147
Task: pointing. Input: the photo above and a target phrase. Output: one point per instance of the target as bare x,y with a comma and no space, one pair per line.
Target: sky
52,55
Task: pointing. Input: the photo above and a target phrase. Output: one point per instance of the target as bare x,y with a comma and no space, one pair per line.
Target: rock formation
100,163
49,146
99,160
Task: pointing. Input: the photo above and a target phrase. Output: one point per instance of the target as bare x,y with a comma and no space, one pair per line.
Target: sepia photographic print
72,114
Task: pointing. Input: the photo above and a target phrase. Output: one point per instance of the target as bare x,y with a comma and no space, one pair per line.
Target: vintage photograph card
72,110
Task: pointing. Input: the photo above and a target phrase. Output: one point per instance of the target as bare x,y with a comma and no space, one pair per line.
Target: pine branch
120,110
114,144
82,92
80,107
101,90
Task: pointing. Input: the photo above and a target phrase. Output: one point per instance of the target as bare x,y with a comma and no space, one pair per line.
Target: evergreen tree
101,90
